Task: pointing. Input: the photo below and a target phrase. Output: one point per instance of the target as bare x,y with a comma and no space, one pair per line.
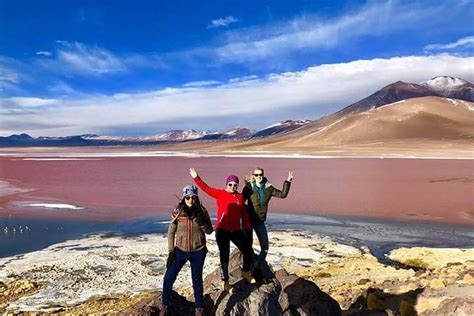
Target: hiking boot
227,287
247,276
164,311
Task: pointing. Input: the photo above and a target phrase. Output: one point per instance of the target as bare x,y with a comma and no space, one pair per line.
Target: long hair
190,211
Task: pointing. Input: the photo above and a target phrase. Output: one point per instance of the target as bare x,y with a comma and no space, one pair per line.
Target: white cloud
78,59
222,22
317,90
90,60
44,53
312,32
9,75
465,42
30,102
244,78
202,83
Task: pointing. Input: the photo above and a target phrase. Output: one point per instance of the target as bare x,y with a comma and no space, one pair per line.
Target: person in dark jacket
232,219
187,242
258,193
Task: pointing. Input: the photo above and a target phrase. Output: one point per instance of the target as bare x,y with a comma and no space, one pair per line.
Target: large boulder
302,297
277,293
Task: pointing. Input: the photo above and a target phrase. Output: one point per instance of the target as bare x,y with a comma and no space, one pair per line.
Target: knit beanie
190,190
232,178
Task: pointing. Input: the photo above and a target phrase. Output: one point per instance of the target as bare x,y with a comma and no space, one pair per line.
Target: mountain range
437,108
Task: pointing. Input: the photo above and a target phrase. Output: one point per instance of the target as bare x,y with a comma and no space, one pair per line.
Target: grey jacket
188,233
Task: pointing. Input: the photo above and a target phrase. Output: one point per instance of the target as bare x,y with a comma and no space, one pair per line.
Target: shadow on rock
377,302
303,297
277,293
179,306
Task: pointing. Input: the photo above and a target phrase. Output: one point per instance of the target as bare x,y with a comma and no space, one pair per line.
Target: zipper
190,230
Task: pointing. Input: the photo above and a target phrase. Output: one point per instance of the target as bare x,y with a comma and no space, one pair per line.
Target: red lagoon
122,188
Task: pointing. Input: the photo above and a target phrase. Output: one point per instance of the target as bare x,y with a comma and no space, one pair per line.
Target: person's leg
262,235
197,263
171,274
223,243
239,239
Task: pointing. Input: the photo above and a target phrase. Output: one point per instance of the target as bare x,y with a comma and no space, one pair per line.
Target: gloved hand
171,259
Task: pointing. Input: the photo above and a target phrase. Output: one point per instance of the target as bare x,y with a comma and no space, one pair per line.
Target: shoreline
70,274
65,155
380,235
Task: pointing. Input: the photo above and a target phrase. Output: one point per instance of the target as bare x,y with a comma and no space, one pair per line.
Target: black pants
223,238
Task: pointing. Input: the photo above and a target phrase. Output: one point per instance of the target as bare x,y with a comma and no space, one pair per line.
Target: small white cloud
64,43
30,102
244,78
203,83
222,22
44,53
465,42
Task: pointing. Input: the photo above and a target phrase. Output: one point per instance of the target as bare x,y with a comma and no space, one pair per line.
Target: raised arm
202,185
286,187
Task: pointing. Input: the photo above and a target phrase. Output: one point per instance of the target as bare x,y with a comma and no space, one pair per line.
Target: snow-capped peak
237,131
178,135
444,85
288,123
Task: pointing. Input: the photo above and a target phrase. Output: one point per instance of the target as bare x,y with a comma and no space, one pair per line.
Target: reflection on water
379,235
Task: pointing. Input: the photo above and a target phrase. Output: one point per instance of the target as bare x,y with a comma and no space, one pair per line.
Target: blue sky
143,67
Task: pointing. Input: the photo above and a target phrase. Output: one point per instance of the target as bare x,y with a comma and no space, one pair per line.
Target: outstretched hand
193,173
290,176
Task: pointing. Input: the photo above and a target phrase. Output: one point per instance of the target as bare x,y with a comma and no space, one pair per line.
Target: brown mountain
426,118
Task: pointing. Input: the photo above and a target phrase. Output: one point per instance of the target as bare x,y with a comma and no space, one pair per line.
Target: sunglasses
191,197
258,174
233,185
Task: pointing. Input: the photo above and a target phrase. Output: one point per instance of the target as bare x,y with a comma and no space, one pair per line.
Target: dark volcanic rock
302,297
274,294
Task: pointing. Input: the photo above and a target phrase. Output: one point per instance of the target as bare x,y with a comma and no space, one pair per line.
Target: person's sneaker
247,276
199,312
227,287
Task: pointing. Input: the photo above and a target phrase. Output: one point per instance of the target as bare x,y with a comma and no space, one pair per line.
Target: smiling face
189,200
232,187
258,175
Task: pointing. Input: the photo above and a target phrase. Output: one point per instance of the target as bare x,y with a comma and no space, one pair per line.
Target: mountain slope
425,118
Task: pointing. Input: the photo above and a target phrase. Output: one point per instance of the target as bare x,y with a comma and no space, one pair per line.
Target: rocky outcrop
278,293
13,290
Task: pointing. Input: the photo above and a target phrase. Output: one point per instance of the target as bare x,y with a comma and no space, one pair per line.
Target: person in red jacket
228,226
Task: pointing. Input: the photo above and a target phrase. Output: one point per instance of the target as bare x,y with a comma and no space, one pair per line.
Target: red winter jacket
230,208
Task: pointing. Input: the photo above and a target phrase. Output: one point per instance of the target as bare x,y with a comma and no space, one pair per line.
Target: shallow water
121,188
379,235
